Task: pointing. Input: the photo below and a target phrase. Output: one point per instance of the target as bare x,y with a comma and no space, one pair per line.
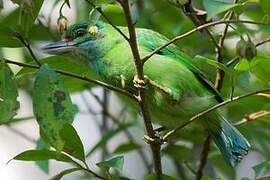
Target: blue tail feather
232,144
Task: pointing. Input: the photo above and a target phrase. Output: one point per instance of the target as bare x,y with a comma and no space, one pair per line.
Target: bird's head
81,39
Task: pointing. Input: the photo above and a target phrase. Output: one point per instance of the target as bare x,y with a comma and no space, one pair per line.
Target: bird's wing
152,40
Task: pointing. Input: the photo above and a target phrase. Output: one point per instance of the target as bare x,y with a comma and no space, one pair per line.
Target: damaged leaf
52,105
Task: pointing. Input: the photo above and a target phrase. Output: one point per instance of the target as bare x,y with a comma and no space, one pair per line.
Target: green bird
177,89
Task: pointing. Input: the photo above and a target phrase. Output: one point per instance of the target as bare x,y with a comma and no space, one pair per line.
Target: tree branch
202,113
28,47
77,76
196,17
144,59
219,53
139,83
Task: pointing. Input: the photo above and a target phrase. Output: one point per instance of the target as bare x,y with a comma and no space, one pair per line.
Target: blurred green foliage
167,18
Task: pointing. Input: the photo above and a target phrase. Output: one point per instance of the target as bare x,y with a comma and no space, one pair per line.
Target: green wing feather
152,40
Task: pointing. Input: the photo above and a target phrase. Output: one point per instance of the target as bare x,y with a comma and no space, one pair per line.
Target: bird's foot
153,140
140,83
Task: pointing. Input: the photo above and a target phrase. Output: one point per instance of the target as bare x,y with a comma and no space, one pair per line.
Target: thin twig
21,134
190,11
86,168
252,117
77,76
28,47
144,59
202,113
233,60
107,19
219,53
263,42
139,82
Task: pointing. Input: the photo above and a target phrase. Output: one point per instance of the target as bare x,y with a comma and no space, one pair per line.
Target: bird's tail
232,144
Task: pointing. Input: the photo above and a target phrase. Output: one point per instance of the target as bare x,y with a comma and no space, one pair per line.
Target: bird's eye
80,33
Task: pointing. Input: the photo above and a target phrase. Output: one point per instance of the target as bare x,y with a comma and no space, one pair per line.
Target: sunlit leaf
265,6
52,105
243,65
8,93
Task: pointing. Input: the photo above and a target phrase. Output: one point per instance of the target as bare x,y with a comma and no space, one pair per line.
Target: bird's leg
156,140
139,83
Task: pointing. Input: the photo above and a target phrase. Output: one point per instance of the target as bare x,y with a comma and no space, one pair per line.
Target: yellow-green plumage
178,90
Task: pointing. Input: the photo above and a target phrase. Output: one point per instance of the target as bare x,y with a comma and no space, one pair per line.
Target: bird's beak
59,47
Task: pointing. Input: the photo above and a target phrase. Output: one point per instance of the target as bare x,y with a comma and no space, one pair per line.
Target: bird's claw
151,140
140,83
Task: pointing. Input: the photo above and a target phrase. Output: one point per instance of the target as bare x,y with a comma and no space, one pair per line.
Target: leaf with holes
52,105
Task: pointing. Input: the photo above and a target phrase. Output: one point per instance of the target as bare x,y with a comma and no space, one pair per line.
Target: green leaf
43,165
73,144
152,176
116,162
261,69
262,169
107,136
265,5
8,94
243,65
8,38
215,7
52,105
18,22
65,64
38,155
213,63
127,147
65,172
